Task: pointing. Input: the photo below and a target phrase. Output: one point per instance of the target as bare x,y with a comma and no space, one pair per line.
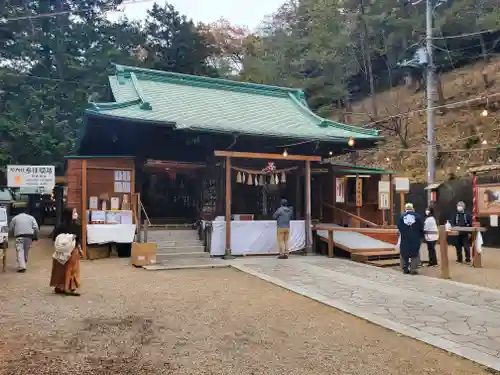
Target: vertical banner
359,192
340,189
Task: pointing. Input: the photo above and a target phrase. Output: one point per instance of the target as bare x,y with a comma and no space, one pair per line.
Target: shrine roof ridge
200,103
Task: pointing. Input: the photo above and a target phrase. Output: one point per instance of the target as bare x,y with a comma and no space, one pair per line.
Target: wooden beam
227,251
308,228
254,155
83,214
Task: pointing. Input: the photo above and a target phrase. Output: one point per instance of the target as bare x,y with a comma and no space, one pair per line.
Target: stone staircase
176,244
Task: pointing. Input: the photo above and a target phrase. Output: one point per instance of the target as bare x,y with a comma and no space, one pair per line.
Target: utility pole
430,86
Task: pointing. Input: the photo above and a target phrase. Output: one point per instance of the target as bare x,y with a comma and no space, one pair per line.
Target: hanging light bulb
489,160
350,142
387,159
484,113
330,153
484,142
285,153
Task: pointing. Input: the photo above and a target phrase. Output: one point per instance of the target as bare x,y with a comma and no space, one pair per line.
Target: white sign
494,220
42,177
384,187
340,190
383,201
402,184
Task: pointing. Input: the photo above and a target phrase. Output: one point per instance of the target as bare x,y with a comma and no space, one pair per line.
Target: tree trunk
367,53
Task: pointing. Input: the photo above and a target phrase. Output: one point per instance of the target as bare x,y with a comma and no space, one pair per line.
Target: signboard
359,192
41,177
488,200
383,201
384,187
402,184
340,189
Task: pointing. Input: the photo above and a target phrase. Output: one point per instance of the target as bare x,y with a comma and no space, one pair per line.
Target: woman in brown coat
65,276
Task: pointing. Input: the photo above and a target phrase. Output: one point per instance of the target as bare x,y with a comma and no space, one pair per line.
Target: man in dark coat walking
411,232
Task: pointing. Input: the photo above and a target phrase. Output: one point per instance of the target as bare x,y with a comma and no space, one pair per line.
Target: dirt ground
488,275
217,321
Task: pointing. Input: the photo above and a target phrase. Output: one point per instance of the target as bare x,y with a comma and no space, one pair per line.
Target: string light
285,153
330,153
350,142
387,159
484,142
484,113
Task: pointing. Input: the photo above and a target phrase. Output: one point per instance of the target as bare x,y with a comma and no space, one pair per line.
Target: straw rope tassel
250,180
238,178
277,179
261,180
256,181
283,177
272,180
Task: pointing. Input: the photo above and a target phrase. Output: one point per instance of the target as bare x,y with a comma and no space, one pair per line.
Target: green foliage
334,48
55,64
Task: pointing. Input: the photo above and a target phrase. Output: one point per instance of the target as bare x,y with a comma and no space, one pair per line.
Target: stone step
180,249
172,238
162,257
177,243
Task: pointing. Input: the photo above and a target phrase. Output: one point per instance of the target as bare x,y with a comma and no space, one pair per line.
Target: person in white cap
411,232
462,219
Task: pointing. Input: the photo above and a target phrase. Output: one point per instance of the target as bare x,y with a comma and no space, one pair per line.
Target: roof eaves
112,105
326,123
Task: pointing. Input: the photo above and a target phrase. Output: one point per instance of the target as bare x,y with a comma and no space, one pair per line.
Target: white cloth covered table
255,237
107,233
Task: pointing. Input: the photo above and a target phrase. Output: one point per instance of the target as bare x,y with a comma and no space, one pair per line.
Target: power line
465,35
55,14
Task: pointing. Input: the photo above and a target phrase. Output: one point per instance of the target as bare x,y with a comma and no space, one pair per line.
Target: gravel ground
215,321
488,275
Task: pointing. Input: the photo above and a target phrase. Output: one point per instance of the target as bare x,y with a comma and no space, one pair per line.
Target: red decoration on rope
269,168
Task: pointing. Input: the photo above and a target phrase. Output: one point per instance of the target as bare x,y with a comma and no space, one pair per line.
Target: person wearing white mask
431,235
462,219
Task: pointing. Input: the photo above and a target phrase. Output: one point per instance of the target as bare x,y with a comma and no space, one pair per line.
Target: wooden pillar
402,202
331,244
391,201
320,196
83,214
443,249
476,257
308,228
298,195
227,252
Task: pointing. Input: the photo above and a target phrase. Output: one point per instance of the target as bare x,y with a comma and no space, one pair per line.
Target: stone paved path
460,318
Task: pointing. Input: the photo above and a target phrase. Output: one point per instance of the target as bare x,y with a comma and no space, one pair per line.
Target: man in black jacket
462,219
411,232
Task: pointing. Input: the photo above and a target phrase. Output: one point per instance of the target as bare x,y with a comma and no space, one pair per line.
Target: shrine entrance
171,191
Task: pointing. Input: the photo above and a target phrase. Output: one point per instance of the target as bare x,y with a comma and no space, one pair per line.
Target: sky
247,13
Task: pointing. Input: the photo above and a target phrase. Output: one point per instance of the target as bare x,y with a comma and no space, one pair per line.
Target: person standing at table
431,235
283,216
462,219
411,231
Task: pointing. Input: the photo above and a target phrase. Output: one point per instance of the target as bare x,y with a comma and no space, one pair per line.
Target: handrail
145,213
356,230
353,216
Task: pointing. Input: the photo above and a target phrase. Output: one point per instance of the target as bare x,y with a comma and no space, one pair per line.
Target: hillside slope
464,136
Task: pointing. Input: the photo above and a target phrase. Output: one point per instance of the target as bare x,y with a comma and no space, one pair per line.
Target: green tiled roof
218,105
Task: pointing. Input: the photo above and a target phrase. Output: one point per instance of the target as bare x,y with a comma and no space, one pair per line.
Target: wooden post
83,214
320,193
331,244
227,252
402,201
443,249
308,228
298,195
139,217
391,201
476,257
